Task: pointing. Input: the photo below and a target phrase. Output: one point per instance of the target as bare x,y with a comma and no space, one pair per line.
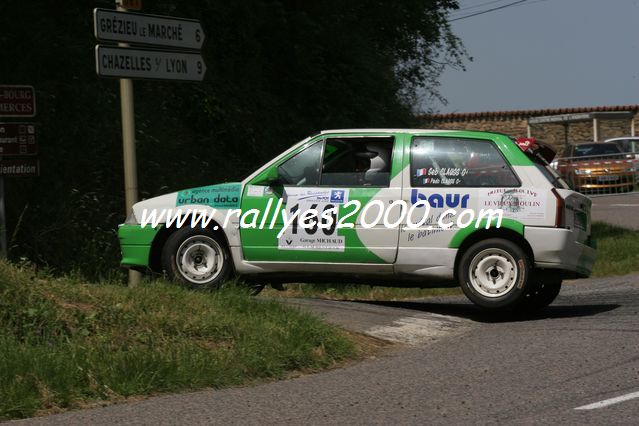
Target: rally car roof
324,132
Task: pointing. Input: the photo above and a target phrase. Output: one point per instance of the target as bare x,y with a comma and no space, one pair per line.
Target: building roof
502,115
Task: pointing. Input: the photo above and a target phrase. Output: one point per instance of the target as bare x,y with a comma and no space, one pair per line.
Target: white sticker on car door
516,203
315,233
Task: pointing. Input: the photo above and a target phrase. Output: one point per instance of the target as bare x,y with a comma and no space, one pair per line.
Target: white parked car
630,145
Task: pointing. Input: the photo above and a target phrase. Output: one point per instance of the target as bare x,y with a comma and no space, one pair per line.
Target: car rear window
549,173
458,162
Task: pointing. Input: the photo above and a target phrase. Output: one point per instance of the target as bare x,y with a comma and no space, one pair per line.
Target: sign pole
183,36
128,149
3,222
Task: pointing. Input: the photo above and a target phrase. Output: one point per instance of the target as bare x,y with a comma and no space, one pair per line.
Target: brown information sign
17,101
17,139
19,167
130,4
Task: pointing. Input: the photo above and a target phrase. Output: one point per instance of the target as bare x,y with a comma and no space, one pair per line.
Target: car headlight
583,172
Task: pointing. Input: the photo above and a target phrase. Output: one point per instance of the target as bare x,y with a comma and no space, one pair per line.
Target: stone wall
514,127
615,128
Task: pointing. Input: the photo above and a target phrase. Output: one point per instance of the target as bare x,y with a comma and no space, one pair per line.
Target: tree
277,71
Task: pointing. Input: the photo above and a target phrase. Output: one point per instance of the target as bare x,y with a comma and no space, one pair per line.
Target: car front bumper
135,245
602,181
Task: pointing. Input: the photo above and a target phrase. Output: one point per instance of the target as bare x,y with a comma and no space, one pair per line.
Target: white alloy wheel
199,259
493,272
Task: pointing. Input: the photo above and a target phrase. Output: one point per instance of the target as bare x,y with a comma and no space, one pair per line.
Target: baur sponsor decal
438,201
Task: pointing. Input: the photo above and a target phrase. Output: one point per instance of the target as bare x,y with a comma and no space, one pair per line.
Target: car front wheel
197,258
494,274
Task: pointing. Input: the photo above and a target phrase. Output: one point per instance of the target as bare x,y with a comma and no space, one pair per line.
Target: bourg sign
17,101
136,28
130,4
17,139
122,62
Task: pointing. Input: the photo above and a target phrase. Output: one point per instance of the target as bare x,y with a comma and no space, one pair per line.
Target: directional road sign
125,62
126,27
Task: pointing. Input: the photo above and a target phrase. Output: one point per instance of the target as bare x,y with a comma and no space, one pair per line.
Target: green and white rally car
398,207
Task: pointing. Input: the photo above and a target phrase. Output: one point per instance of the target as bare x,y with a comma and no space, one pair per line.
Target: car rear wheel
494,274
196,258
543,291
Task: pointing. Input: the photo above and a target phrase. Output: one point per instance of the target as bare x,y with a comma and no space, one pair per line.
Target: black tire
196,258
543,291
494,274
255,289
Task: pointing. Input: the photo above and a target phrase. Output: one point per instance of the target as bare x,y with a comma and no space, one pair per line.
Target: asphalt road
456,365
618,209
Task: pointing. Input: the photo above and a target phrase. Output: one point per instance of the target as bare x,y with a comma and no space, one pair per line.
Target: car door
336,175
443,174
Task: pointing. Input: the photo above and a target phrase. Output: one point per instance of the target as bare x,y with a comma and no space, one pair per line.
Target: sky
545,54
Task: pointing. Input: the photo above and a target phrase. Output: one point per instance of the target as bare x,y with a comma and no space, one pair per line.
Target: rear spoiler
534,147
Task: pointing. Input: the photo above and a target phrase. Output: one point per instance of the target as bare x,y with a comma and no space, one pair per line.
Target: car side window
455,162
303,169
357,161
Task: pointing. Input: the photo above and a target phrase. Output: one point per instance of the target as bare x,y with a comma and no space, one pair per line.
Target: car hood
223,196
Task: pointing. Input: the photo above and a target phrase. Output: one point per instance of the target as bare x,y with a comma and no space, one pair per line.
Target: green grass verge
358,292
66,344
617,250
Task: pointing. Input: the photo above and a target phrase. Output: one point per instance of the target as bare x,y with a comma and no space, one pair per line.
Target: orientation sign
17,101
17,139
124,62
19,167
126,27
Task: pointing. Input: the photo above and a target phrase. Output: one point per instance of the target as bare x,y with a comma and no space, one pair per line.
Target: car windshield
591,149
626,145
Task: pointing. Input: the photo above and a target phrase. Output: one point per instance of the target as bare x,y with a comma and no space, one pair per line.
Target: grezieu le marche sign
126,27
